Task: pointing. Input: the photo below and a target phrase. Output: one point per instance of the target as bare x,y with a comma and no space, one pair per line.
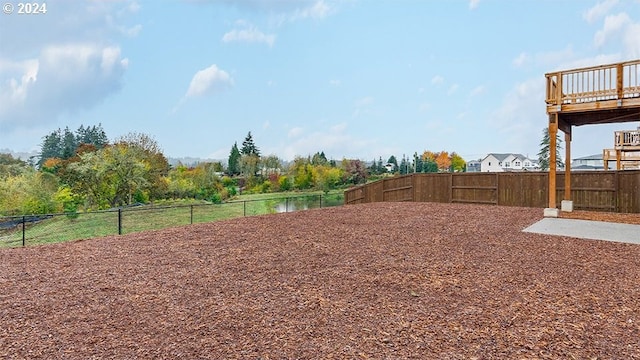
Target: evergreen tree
380,167
545,150
404,166
64,144
51,146
69,144
92,135
418,163
233,166
430,166
319,159
394,161
249,147
373,168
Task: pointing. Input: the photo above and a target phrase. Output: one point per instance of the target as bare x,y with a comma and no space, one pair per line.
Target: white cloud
473,4
452,89
335,82
520,60
365,101
336,141
619,32
249,35
599,10
632,40
521,117
478,90
317,10
282,11
63,79
295,132
437,80
208,81
362,106
69,22
613,24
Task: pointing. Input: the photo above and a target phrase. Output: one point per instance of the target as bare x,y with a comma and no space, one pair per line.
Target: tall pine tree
249,147
545,150
233,166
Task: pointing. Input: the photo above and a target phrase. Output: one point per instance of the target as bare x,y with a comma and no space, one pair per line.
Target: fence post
191,214
320,201
244,208
119,221
286,204
24,221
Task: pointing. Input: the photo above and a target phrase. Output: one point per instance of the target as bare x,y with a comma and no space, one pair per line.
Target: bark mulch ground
384,280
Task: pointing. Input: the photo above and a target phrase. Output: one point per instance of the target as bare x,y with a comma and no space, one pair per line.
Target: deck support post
567,203
552,210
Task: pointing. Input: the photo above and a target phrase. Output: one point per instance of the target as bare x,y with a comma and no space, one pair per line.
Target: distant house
495,162
474,165
591,162
390,167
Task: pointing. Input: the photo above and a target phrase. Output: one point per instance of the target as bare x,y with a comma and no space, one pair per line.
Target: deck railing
590,84
626,139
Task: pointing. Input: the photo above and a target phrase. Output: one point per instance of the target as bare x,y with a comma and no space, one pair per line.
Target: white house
474,165
495,162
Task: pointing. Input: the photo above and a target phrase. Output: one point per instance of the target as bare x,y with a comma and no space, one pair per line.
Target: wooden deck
595,95
602,94
627,140
623,160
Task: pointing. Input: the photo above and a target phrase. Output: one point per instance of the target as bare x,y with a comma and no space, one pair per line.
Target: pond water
306,202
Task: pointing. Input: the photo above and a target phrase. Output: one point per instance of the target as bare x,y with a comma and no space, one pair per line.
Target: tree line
82,170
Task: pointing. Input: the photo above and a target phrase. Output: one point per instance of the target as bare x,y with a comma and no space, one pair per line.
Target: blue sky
352,78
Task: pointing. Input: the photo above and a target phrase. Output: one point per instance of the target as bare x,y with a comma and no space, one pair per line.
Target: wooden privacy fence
612,191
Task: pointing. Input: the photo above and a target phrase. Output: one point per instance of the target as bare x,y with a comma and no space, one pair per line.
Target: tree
249,147
418,164
457,163
69,144
319,159
404,166
145,148
31,192
111,176
10,166
92,135
233,166
545,150
302,173
355,172
51,147
271,165
64,144
249,166
394,161
373,169
443,160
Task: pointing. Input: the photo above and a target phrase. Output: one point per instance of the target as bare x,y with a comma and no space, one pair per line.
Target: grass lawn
151,217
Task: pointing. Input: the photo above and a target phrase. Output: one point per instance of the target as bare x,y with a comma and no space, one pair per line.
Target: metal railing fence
26,230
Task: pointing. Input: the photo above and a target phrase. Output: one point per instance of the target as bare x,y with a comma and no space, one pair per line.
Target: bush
284,183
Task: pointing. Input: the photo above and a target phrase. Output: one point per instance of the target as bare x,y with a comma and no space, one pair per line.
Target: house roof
590,157
501,156
587,167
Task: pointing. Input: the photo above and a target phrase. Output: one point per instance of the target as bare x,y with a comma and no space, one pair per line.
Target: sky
358,79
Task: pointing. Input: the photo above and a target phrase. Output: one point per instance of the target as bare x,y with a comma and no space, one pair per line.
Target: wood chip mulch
370,281
602,216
